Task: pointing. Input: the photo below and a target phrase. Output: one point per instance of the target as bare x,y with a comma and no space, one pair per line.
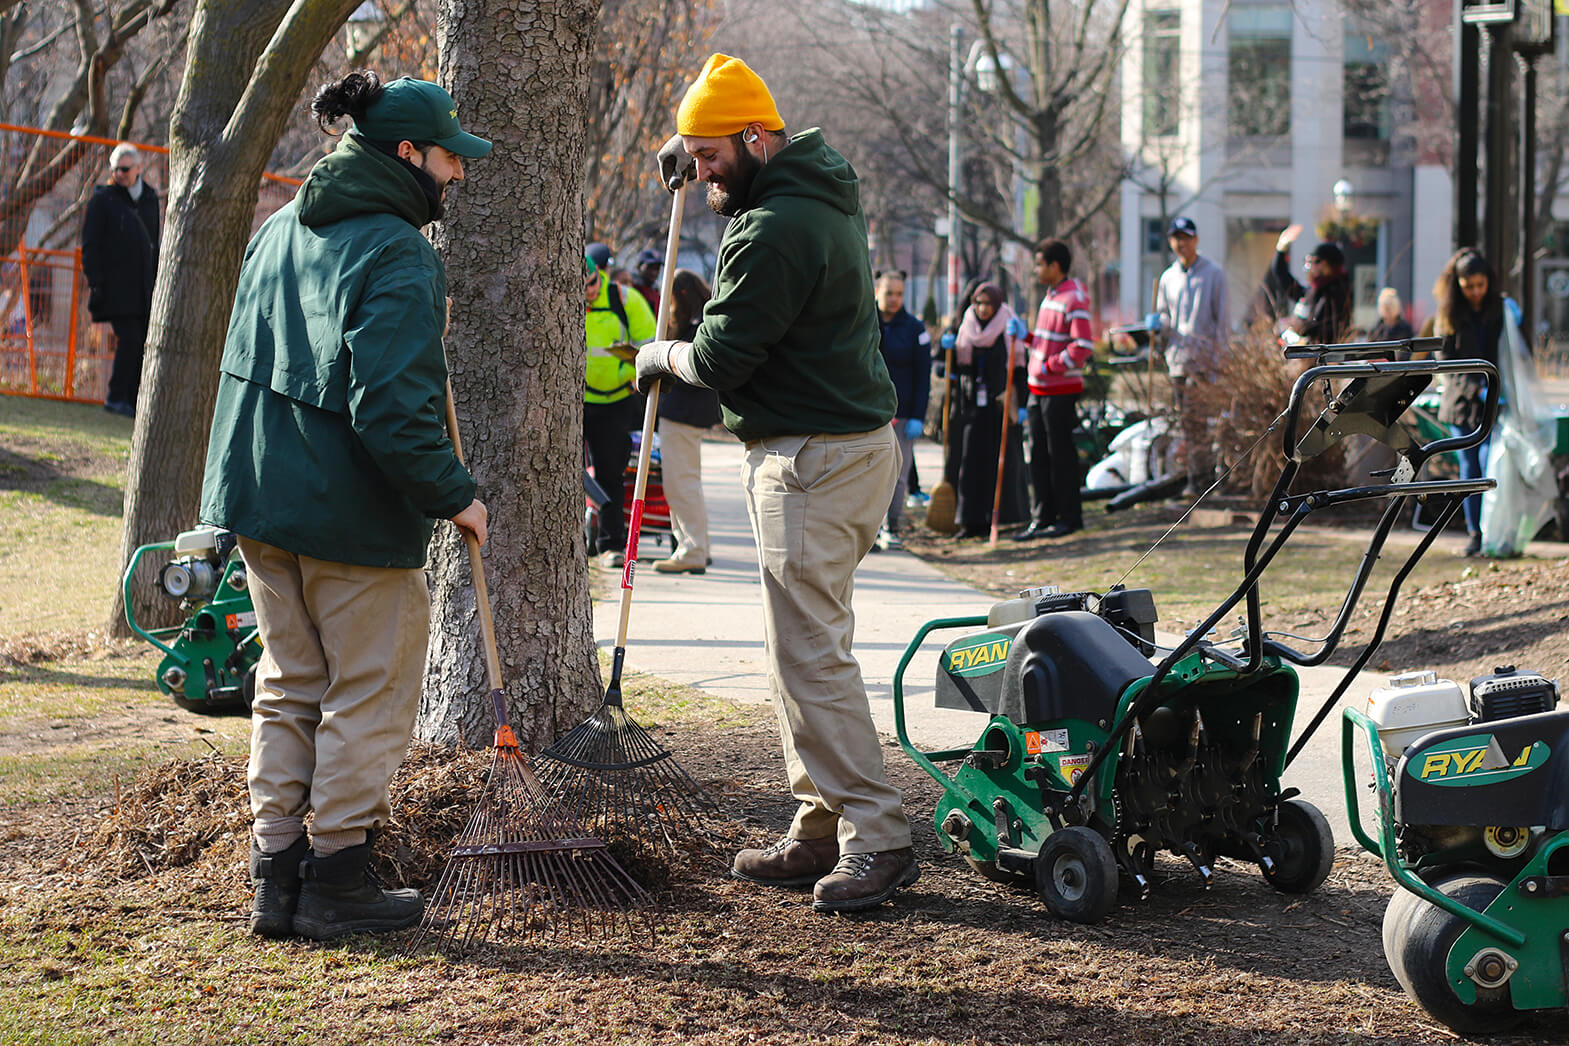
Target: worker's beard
728,196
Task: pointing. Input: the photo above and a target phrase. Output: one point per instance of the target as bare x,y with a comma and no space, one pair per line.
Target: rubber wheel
1305,849
989,870
202,706
1417,943
1076,874
248,688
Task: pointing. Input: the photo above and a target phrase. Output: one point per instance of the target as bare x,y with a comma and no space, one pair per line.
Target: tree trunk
513,243
245,66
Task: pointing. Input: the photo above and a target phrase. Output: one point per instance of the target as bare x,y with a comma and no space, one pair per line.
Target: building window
1162,72
1260,68
1367,89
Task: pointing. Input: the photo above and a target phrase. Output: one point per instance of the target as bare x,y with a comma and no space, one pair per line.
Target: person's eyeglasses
122,169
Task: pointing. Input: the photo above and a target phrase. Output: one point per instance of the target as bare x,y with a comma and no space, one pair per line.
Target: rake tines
611,773
525,867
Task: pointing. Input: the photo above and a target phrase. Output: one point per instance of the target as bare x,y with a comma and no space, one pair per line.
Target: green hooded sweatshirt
329,437
790,338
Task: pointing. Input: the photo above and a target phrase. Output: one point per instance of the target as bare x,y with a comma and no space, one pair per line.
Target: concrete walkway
706,631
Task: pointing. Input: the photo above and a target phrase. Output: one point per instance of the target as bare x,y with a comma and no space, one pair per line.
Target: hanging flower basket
1352,230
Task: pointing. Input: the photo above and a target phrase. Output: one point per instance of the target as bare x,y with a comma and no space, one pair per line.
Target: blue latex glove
1513,308
1024,415
1152,321
1016,328
948,341
913,427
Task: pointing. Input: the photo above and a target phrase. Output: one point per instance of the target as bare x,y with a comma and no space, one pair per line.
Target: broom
1008,410
943,502
523,864
608,770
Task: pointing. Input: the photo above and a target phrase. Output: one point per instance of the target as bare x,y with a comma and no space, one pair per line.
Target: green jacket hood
808,167
357,178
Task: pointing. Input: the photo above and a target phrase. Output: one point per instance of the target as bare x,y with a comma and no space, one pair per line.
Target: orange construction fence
49,346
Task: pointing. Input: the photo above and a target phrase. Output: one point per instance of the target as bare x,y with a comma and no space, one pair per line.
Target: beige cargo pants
337,690
816,503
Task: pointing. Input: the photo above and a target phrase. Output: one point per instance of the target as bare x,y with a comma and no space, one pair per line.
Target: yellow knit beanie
725,98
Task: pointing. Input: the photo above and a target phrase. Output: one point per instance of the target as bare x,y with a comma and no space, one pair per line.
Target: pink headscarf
973,336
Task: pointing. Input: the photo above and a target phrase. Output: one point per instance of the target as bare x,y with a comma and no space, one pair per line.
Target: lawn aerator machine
1473,822
1097,757
209,663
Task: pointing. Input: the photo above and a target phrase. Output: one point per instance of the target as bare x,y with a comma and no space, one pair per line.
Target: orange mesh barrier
49,346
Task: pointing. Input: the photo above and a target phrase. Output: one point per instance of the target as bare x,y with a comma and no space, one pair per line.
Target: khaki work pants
816,503
337,690
681,475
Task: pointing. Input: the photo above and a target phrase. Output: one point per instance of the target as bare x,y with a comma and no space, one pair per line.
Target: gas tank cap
1042,590
1422,677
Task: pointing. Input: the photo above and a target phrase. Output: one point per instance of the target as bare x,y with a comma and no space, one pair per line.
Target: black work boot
338,895
276,880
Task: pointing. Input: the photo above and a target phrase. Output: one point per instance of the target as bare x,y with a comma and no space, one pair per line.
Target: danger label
1071,766
245,619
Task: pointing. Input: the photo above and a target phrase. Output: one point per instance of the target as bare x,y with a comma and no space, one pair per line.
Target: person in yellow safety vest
616,324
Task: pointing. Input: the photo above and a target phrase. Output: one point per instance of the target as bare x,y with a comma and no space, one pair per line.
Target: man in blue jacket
907,353
789,340
329,458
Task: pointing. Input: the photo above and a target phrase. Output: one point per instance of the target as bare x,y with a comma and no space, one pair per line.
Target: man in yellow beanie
791,342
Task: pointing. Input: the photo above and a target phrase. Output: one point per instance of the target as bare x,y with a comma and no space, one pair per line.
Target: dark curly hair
350,96
1453,308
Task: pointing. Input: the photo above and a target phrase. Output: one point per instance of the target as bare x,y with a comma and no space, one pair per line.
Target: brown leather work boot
865,880
789,862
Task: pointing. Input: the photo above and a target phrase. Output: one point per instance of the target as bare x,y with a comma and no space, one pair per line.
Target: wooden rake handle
650,416
487,625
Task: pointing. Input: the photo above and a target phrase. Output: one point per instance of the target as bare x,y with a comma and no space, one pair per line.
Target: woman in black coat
686,412
980,375
1471,318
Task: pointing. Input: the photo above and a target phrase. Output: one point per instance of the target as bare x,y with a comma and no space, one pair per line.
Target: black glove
676,166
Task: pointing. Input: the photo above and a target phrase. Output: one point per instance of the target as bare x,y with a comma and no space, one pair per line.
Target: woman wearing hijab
981,360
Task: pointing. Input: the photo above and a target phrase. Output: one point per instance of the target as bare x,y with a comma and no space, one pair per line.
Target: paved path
706,631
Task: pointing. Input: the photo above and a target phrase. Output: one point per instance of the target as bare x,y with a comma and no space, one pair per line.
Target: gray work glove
653,365
676,166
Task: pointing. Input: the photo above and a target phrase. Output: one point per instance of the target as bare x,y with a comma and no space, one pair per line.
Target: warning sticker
1071,766
1038,741
247,619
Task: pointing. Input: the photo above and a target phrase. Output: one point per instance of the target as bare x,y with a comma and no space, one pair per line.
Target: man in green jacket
791,342
329,458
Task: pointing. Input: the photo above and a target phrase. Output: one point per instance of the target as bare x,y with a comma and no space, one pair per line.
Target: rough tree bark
513,243
245,65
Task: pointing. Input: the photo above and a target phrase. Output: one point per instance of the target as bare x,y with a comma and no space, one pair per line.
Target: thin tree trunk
245,65
513,243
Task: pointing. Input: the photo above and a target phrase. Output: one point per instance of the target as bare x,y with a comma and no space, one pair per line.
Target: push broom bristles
524,867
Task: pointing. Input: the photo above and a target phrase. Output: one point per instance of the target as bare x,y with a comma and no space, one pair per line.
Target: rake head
612,774
524,866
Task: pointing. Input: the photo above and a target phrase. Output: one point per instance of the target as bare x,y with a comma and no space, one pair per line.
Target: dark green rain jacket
329,437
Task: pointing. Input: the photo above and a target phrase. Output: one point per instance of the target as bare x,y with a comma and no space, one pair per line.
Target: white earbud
750,138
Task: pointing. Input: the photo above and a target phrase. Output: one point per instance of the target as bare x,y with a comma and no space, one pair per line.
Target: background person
1190,310
1320,312
616,321
1059,348
1391,325
120,236
332,486
907,353
1471,318
645,277
790,341
686,412
981,360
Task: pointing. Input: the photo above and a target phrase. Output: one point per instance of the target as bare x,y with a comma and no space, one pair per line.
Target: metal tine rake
524,865
608,769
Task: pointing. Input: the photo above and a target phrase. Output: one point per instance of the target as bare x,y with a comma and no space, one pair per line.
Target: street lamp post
955,83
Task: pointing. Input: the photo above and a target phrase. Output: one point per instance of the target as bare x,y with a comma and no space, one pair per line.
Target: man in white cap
790,341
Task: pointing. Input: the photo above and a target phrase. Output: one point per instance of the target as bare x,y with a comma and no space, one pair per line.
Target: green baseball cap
419,111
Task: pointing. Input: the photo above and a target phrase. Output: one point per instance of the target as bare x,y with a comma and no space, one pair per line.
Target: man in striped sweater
1059,347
